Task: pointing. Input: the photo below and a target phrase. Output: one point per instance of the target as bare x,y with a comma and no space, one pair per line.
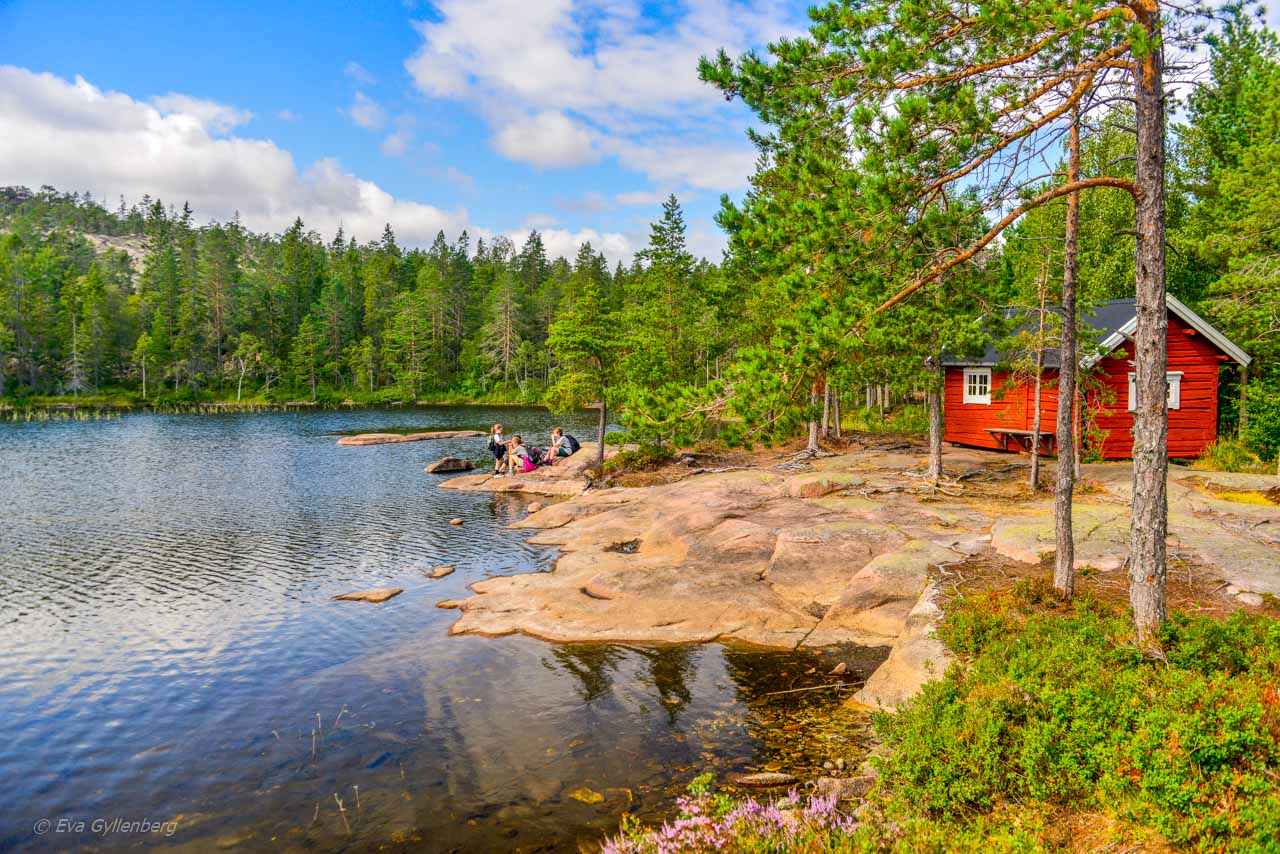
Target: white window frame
975,396
1173,382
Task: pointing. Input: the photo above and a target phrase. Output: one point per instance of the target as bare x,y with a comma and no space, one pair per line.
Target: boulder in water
455,521
440,572
447,465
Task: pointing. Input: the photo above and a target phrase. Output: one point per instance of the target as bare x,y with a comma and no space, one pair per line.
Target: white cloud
359,73
217,118
706,166
587,202
540,221
593,76
548,139
396,144
638,198
366,112
459,179
75,136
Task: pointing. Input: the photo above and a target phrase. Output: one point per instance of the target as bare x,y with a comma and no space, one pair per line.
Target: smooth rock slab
363,439
378,594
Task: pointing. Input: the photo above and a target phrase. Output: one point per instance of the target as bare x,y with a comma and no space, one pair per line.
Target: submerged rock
378,594
445,465
764,779
455,521
441,572
587,796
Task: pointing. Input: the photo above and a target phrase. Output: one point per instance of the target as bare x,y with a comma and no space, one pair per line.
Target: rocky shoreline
817,552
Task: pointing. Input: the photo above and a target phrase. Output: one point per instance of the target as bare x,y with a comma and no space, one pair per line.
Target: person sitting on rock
498,447
519,457
562,445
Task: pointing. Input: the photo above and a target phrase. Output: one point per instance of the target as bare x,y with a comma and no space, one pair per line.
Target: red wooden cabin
985,408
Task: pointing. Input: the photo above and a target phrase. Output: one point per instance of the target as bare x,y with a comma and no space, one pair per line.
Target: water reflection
592,664
170,640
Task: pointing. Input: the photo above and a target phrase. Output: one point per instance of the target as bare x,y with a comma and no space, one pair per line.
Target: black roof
1105,319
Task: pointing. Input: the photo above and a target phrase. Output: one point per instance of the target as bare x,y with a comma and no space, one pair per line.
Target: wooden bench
1022,438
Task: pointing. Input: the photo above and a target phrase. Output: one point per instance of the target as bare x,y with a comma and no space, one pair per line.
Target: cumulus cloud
594,76
366,112
72,135
548,139
217,118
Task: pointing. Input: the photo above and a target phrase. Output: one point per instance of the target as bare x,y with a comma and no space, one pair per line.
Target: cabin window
977,385
1173,382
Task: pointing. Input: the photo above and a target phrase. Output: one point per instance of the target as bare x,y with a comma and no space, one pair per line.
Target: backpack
574,445
535,455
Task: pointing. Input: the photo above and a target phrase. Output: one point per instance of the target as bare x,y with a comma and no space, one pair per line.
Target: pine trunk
1035,422
933,397
826,409
1064,564
837,413
1150,428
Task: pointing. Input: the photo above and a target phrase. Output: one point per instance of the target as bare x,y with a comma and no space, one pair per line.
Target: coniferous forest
788,323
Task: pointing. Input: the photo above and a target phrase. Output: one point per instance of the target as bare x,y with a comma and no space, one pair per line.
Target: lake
177,674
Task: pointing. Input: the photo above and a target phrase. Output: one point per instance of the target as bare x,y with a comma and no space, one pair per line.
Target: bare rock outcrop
916,658
363,439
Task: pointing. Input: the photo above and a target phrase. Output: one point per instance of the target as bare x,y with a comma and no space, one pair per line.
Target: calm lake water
172,654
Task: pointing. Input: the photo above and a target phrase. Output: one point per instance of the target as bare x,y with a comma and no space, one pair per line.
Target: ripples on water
169,639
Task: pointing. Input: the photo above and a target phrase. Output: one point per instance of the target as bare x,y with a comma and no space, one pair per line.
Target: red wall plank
1192,427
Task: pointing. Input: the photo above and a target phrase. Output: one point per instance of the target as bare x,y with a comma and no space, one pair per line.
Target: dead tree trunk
1064,564
604,422
1150,419
1242,422
933,398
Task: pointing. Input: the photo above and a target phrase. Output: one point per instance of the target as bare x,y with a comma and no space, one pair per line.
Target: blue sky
571,116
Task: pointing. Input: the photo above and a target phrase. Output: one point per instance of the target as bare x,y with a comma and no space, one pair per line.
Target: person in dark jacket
498,447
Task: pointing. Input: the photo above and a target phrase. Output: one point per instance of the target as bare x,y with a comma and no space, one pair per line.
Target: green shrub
1229,455
912,418
616,437
1062,710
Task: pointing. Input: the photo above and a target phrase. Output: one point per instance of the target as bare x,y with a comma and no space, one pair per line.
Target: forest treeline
217,309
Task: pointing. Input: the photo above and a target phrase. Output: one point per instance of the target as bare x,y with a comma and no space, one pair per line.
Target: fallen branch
811,688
